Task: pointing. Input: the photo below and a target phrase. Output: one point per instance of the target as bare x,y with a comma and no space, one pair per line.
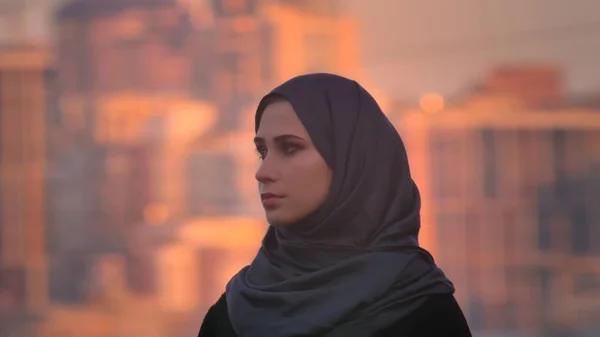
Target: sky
413,47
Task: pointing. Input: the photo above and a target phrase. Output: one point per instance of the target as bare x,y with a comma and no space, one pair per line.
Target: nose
266,172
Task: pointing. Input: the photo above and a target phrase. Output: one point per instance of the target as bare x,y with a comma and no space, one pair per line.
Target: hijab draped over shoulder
354,266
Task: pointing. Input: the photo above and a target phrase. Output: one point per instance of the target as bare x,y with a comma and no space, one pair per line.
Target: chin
278,218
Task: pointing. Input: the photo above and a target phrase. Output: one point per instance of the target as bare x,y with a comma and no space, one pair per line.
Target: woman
341,255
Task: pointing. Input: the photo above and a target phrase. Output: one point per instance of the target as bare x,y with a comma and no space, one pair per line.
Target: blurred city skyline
410,48
127,193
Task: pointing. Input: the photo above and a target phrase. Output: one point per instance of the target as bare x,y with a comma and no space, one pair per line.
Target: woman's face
293,179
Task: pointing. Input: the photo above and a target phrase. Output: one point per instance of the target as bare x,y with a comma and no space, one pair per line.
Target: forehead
280,118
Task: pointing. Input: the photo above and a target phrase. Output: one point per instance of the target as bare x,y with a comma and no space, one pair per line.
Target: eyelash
288,150
262,153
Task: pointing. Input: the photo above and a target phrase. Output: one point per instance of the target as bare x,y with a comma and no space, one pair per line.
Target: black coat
440,316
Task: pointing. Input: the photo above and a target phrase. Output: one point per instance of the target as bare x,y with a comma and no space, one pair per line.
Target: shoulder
216,322
439,316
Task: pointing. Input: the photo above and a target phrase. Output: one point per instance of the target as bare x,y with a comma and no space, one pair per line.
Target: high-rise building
259,45
114,46
25,74
226,52
509,210
113,57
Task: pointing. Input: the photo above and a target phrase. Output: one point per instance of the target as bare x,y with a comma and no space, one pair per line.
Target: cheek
312,179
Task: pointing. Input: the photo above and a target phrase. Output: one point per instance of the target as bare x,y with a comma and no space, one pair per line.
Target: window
507,170
528,143
587,283
473,237
141,274
580,230
592,196
545,213
67,279
449,236
126,185
53,116
12,287
488,147
559,139
69,55
509,222
229,67
444,147
577,152
83,74
546,279
203,64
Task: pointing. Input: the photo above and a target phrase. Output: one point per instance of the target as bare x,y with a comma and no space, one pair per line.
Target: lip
270,200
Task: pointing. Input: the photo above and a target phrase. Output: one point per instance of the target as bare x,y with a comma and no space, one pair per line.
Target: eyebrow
278,139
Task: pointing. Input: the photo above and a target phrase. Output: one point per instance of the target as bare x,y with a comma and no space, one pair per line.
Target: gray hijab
354,266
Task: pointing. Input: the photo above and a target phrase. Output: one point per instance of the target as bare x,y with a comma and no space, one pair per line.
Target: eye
261,151
289,149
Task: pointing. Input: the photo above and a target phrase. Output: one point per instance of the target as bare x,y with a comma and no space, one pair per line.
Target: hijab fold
354,266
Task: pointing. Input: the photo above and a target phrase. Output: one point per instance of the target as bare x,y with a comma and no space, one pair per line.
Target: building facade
25,98
509,211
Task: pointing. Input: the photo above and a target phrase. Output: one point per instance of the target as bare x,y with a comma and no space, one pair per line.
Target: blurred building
132,170
191,269
164,127
259,46
114,311
115,46
26,21
152,148
207,251
121,64
221,173
535,85
510,209
75,220
25,76
226,52
195,268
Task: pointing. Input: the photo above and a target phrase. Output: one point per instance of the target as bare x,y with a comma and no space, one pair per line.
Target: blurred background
127,192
